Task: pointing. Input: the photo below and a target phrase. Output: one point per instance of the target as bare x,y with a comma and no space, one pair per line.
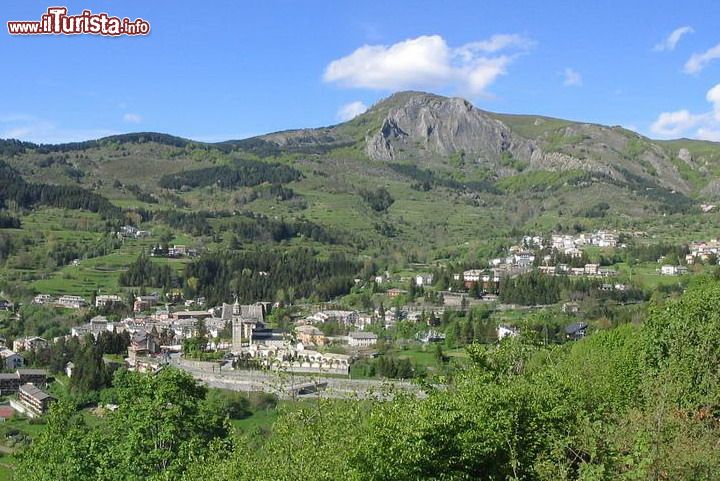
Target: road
285,385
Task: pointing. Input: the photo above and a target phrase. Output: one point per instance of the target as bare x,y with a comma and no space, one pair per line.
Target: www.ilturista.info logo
57,22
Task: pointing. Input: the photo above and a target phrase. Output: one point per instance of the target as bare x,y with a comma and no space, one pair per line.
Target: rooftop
34,391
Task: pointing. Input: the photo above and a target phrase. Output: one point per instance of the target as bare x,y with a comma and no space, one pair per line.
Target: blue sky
227,69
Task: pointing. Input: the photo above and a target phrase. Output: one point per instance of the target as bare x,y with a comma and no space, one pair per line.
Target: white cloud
41,131
672,40
674,124
709,134
699,61
132,118
572,78
427,62
351,110
705,125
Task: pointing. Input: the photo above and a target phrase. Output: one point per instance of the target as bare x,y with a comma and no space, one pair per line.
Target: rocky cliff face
417,126
421,126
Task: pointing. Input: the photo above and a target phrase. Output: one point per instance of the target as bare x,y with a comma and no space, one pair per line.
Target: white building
107,300
423,279
43,299
673,270
591,269
72,302
473,275
524,259
29,344
506,331
343,317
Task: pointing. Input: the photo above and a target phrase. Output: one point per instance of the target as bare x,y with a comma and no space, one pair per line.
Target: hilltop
417,173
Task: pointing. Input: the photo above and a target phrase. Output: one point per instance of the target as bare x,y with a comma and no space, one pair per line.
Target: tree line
241,173
263,273
13,188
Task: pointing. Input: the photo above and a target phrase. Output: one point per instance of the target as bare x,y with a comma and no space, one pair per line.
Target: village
319,340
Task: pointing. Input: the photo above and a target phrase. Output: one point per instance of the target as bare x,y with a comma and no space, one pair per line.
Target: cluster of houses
517,257
164,331
567,244
296,352
276,349
132,232
601,238
141,303
703,251
588,270
488,278
174,252
68,302
28,385
521,259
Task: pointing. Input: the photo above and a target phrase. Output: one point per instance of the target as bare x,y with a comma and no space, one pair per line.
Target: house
547,270
503,331
573,252
185,328
69,367
72,302
524,259
38,377
591,269
607,272
576,330
571,308
9,383
29,344
472,276
181,251
11,359
423,280
266,336
180,315
104,301
430,336
80,331
42,299
605,239
362,339
142,344
348,318
99,324
127,231
364,320
673,270
310,335
143,303
33,400
395,292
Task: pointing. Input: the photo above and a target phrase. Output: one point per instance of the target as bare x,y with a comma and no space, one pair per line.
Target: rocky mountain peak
417,125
